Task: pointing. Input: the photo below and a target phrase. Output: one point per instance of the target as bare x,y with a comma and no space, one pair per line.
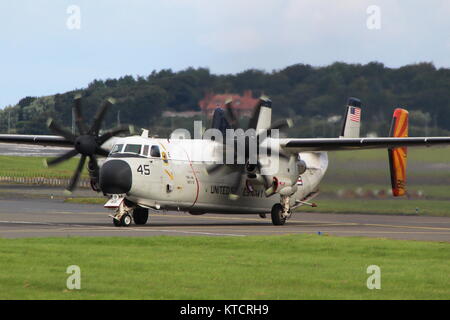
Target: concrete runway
53,218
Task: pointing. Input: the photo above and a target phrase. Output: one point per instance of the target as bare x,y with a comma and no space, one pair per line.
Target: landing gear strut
126,214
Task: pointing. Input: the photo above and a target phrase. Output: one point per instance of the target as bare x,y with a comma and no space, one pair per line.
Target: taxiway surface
54,218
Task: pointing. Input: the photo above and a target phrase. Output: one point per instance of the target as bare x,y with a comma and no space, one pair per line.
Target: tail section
352,120
398,156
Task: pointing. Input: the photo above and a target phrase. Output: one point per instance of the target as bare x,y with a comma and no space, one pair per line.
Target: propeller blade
282,124
214,167
231,115
101,152
52,125
281,153
263,101
100,115
115,131
237,185
266,179
93,165
61,158
76,175
79,116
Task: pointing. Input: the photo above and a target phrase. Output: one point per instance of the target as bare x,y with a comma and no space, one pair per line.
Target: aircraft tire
117,223
140,215
125,221
277,215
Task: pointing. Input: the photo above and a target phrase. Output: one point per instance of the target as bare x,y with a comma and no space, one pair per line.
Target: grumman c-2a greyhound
190,175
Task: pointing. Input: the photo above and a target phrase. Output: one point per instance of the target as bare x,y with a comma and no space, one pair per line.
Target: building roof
244,103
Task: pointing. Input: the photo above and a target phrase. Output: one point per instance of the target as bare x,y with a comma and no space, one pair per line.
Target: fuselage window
117,148
133,148
154,152
145,153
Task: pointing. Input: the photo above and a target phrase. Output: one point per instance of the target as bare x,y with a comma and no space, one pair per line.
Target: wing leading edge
43,140
337,144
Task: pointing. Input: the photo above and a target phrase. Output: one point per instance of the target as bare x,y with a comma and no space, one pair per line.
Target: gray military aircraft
225,170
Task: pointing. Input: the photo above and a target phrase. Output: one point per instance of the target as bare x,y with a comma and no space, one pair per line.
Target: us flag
355,114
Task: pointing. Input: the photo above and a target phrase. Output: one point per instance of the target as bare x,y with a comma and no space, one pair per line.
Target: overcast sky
43,51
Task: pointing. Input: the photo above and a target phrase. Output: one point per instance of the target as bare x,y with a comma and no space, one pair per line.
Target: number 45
144,169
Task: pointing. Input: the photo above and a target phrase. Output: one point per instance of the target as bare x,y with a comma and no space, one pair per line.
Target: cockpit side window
117,148
145,152
154,152
133,148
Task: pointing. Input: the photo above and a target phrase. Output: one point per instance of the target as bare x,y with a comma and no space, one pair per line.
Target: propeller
88,142
241,169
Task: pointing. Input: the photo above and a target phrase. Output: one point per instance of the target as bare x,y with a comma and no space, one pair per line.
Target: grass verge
86,200
12,166
275,267
382,206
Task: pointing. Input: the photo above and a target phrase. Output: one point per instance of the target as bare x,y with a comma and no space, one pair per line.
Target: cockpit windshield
117,148
133,148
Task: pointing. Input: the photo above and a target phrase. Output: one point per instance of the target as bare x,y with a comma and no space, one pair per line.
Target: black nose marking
115,177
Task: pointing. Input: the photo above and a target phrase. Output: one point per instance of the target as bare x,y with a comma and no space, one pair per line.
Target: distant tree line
313,96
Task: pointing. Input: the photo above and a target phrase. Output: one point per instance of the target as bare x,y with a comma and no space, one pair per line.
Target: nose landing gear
126,214
123,221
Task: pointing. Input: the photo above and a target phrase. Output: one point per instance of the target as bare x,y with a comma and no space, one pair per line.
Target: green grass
272,267
428,191
381,206
87,200
13,166
423,155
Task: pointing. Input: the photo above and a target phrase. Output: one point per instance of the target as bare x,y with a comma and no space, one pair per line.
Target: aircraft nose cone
115,177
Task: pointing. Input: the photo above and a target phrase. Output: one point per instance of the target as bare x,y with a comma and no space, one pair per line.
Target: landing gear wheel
125,220
277,215
140,215
116,222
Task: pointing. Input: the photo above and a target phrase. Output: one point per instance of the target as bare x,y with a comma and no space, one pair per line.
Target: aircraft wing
337,144
43,140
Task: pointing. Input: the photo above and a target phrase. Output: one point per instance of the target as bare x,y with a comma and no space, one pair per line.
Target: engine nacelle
283,186
251,168
301,166
255,178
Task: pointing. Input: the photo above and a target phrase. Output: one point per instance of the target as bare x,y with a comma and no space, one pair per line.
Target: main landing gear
126,214
281,211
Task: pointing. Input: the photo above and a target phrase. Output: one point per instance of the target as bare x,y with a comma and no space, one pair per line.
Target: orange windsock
398,156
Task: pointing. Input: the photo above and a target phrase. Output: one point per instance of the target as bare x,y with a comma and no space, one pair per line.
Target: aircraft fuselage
171,174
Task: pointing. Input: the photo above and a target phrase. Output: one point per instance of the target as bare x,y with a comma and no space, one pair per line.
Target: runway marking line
221,234
321,223
315,221
197,229
115,229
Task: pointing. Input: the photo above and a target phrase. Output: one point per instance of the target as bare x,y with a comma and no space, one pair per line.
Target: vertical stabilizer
352,120
398,156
